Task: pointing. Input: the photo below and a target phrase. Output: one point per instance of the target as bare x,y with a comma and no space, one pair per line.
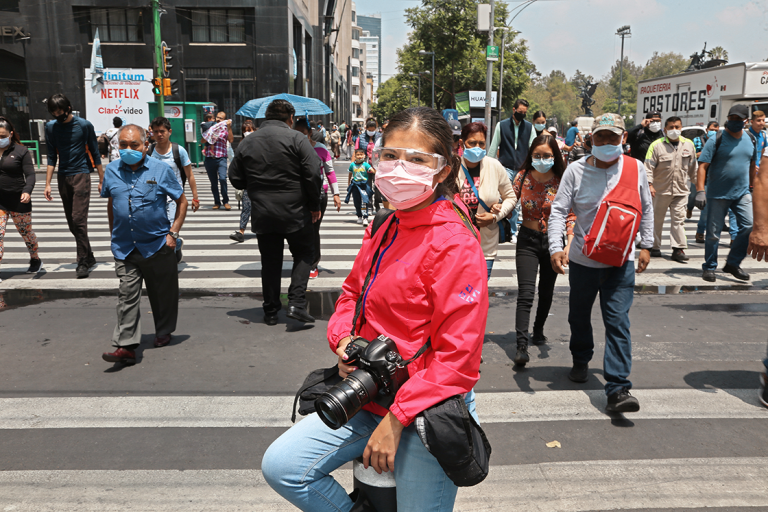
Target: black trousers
301,243
531,258
316,225
75,192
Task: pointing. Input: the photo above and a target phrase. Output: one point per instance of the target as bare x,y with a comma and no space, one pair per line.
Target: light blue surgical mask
4,143
607,152
543,165
712,133
474,155
539,127
131,156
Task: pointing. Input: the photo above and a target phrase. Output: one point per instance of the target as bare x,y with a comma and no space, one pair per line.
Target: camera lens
337,405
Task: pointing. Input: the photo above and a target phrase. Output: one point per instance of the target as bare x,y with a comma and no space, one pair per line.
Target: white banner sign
477,99
125,94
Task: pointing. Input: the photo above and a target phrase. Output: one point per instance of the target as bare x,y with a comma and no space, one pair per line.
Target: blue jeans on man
716,210
216,168
701,227
616,286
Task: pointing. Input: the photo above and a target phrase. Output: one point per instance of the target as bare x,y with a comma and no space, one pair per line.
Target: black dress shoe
655,253
579,372
270,319
300,314
736,272
709,275
622,401
521,356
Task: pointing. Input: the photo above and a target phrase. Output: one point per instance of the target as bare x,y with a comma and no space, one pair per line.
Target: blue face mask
539,127
712,133
735,126
474,155
607,152
543,165
131,156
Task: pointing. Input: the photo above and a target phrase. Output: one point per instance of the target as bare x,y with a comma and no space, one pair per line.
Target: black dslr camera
378,377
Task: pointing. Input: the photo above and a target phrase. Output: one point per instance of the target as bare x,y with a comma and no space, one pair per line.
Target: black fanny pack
455,439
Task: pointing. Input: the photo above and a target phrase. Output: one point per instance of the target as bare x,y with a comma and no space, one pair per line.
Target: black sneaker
622,401
179,247
237,237
655,253
35,265
82,270
736,272
709,275
679,256
579,372
521,356
538,338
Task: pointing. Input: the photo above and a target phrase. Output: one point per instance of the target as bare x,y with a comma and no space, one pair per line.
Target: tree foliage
718,52
664,64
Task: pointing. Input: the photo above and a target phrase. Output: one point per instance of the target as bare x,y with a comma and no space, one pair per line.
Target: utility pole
624,31
501,73
489,75
158,53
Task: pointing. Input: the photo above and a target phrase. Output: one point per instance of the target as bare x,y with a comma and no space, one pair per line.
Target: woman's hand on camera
344,368
382,446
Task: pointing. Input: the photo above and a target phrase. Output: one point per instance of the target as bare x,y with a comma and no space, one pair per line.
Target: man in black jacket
280,170
641,136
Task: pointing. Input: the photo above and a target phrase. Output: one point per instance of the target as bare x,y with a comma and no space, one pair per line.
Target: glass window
355,90
355,34
355,53
355,71
117,25
218,25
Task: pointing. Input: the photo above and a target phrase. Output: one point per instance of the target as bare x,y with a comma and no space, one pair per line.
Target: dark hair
355,130
247,124
538,114
221,112
672,119
471,128
58,102
279,110
370,122
652,114
360,150
574,122
302,124
546,139
711,123
117,122
160,122
207,117
436,129
519,102
5,123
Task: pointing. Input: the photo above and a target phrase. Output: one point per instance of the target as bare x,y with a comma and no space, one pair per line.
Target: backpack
612,235
176,160
103,142
719,140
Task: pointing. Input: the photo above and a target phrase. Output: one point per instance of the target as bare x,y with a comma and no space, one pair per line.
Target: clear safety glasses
436,162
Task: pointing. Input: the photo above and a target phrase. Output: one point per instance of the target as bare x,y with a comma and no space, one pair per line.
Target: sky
580,34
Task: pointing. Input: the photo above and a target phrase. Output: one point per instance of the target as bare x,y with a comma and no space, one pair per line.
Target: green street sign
492,53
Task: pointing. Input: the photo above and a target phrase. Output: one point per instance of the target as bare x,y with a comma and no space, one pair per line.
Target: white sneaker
365,223
359,220
514,239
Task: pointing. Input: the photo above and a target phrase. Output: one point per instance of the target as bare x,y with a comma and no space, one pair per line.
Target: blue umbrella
304,106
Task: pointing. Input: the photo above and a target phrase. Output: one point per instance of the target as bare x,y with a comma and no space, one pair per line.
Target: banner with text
125,94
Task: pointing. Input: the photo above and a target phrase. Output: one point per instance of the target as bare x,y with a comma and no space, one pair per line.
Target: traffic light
157,86
166,59
167,87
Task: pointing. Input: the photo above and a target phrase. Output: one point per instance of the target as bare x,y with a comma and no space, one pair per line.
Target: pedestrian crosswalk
214,262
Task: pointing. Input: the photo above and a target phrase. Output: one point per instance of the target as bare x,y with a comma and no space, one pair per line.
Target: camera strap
418,354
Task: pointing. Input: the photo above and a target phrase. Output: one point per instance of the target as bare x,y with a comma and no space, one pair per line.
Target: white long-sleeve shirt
582,189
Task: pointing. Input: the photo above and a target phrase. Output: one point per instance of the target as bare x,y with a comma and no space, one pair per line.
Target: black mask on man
62,117
519,116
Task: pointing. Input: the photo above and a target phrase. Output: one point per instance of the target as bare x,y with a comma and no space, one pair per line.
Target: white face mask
673,134
655,126
370,133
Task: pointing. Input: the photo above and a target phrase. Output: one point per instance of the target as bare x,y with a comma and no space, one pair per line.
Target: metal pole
621,71
433,79
489,74
158,54
501,75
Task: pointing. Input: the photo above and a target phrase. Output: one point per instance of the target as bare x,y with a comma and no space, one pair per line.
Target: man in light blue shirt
143,242
757,129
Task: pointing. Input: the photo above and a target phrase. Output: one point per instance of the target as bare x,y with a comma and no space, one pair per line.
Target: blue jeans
701,227
217,174
616,287
489,265
298,465
360,197
515,221
717,208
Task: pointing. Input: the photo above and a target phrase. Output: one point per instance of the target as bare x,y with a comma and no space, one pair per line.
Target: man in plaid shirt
216,158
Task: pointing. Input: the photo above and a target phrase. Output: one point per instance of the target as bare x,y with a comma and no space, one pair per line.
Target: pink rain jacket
430,281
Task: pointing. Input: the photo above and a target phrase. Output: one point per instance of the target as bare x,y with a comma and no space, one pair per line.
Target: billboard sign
125,94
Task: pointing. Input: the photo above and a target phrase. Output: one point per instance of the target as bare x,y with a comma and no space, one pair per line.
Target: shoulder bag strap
471,182
465,219
519,191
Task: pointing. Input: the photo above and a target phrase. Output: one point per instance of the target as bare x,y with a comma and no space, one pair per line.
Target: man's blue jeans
616,287
701,227
298,465
216,168
716,210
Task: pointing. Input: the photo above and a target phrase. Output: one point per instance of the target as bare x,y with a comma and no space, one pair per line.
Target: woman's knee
275,467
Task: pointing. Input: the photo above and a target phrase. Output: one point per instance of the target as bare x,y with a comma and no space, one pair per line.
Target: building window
117,25
355,34
355,53
354,16
355,90
355,71
228,88
218,26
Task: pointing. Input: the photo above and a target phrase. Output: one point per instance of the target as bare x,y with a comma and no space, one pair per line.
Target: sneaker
521,356
121,355
237,237
538,338
679,256
736,272
700,238
655,253
709,275
359,220
763,394
227,207
514,238
314,273
622,401
365,222
35,265
688,214
82,270
179,247
579,372
215,207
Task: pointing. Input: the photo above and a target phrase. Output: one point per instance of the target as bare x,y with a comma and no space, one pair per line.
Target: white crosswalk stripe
213,261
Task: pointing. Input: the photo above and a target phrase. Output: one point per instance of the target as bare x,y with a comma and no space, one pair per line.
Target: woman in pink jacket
428,283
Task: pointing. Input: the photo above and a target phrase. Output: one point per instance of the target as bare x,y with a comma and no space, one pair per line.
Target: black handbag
455,439
316,383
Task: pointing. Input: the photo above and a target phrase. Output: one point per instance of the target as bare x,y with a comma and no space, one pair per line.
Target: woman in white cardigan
490,182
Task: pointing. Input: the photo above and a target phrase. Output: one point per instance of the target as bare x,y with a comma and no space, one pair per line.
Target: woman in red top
536,187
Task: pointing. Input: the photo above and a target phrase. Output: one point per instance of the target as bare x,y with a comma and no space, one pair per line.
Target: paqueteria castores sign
125,94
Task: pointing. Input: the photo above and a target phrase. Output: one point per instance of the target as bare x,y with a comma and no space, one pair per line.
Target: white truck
698,97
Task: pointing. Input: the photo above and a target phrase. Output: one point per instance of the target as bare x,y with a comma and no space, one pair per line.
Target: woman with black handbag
418,280
536,185
482,181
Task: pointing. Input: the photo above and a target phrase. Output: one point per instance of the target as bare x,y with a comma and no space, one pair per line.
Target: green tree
664,64
718,52
392,98
631,74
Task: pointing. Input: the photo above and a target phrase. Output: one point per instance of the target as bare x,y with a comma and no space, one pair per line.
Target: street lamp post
489,71
624,31
424,52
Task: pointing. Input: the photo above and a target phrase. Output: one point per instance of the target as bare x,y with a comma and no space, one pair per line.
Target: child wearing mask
357,186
